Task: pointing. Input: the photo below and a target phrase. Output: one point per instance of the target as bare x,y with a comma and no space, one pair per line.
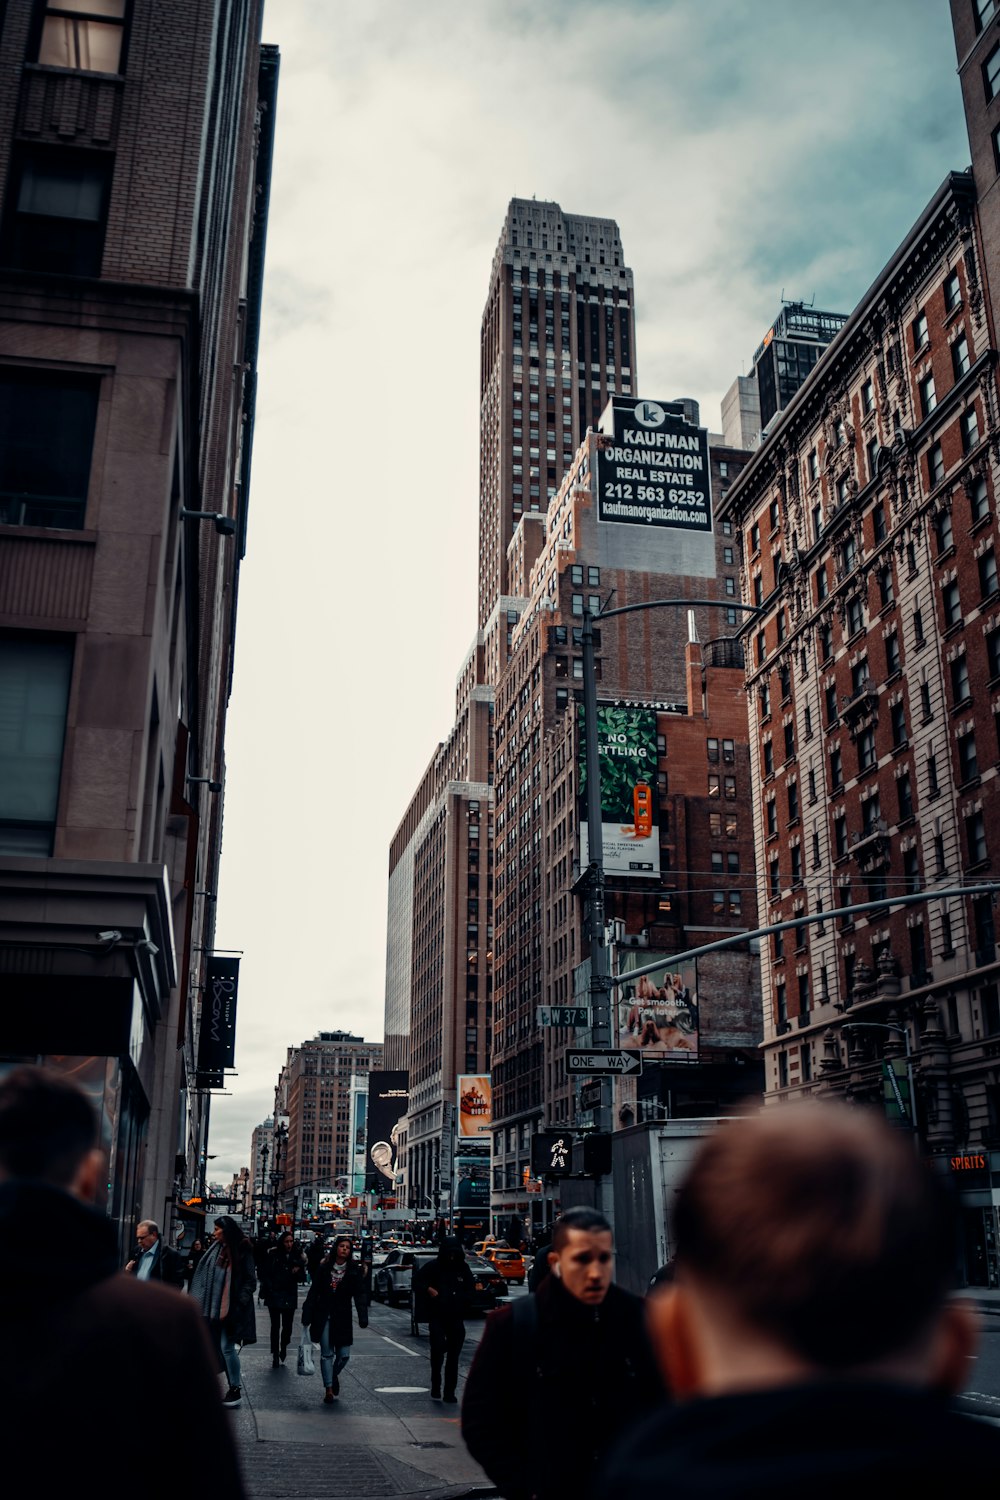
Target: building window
897,715
813,465
42,482
713,786
796,857
952,603
892,657
991,74
772,816
935,464
34,692
904,794
919,330
885,588
768,758
979,500
85,35
928,395
840,835
993,654
836,770
960,679
54,217
729,787
983,11
866,749
961,362
825,642
729,751
793,802
968,424
988,573
975,833
868,397
968,762
712,751
774,878
855,616
730,586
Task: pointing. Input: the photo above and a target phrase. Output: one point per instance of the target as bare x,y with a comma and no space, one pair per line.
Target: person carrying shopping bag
223,1284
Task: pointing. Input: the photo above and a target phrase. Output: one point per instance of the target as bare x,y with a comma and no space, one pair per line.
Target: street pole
600,993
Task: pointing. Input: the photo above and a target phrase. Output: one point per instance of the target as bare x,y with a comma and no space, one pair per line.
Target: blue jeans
331,1359
230,1357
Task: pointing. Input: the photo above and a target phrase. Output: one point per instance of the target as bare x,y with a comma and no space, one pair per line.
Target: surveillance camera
109,935
147,946
225,526
215,786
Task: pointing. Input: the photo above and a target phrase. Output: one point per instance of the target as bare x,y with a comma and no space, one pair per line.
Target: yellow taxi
510,1263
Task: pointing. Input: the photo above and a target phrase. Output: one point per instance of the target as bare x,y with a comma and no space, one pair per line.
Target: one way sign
620,1063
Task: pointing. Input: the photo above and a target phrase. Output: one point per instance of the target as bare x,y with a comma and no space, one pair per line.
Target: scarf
211,1282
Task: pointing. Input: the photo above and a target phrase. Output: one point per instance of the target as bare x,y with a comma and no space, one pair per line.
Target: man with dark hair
81,1345
809,1326
560,1374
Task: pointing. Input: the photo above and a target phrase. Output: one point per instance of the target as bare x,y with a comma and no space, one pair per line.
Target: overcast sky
746,150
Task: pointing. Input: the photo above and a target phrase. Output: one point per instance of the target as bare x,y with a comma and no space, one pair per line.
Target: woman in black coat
337,1281
223,1284
444,1290
283,1269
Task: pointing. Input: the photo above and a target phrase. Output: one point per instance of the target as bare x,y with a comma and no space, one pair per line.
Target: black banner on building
655,471
217,1038
388,1101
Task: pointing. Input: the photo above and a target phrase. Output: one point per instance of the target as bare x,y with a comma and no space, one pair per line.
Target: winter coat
544,1406
279,1282
241,1320
167,1266
325,1302
455,1289
822,1440
101,1353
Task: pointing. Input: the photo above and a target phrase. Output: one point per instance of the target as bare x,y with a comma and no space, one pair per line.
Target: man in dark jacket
442,1291
85,1350
810,1325
153,1260
558,1376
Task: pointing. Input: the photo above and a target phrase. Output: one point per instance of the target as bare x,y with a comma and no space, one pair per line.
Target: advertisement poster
629,812
658,1012
217,1036
388,1102
475,1107
655,472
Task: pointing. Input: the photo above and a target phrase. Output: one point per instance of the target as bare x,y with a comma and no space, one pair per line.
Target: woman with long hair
224,1282
337,1281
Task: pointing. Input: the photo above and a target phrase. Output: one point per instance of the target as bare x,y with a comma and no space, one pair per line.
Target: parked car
488,1286
510,1263
391,1282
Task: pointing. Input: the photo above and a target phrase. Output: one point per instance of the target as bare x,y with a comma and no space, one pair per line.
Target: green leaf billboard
629,814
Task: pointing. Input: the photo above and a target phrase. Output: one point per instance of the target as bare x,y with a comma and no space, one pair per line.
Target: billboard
475,1107
655,470
629,815
388,1102
472,1181
658,1012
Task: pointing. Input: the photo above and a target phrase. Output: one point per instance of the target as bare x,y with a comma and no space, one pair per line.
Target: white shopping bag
305,1365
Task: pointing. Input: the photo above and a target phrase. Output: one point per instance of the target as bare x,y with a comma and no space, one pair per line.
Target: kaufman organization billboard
658,1012
655,469
475,1108
629,822
388,1101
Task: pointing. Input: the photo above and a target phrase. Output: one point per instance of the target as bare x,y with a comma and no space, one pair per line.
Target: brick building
706,866
314,1095
869,538
135,145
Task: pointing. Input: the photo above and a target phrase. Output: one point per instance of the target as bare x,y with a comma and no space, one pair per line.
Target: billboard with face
388,1101
658,1012
629,813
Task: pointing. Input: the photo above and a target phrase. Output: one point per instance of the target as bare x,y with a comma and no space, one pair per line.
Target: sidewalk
383,1438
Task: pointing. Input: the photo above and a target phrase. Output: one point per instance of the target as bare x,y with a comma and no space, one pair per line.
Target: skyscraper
557,338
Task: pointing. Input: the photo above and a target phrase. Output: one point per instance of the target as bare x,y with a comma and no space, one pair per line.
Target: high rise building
135,145
977,44
788,352
314,1091
869,537
557,338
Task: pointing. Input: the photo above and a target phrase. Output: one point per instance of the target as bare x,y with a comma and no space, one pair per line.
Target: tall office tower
976,24
135,143
314,1092
558,337
788,352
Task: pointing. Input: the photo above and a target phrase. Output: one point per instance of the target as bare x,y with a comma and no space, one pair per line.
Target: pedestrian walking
152,1260
87,1353
809,1333
284,1269
223,1285
442,1292
337,1282
560,1374
194,1255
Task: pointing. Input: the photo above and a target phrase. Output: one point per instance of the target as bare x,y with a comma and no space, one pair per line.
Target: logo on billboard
650,414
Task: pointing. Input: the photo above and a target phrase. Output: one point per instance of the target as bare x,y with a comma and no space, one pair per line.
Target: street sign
590,1096
551,1154
622,1064
562,1015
